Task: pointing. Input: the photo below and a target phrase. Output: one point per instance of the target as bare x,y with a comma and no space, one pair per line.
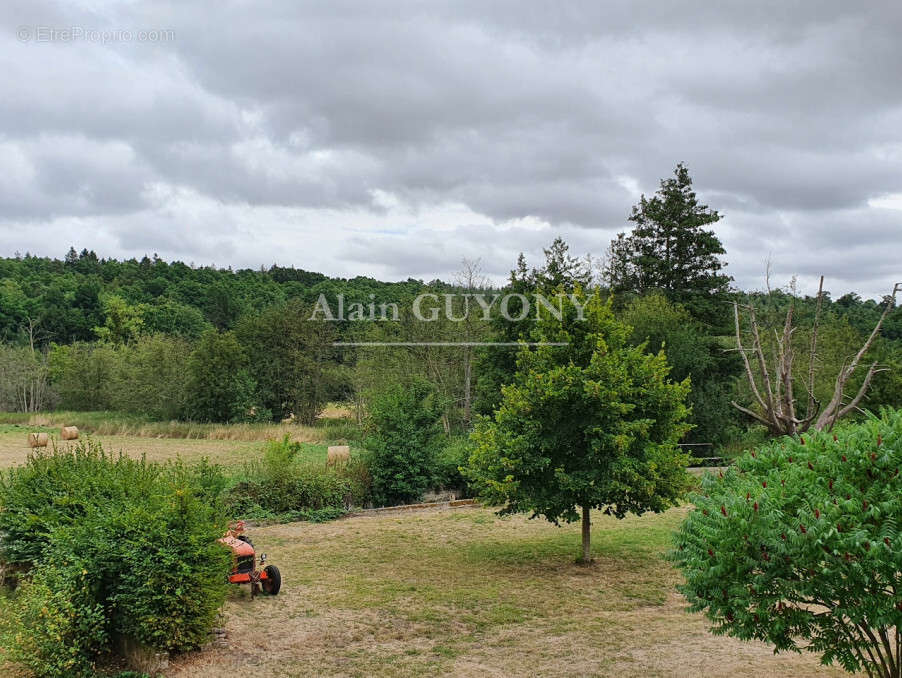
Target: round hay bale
69,433
38,439
338,454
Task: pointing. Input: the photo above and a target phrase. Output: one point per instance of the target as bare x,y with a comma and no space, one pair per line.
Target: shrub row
111,546
282,486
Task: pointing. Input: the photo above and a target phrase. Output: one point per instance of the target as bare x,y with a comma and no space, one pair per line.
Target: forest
170,340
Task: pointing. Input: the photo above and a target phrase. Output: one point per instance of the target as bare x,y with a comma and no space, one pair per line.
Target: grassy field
227,444
464,593
335,423
455,592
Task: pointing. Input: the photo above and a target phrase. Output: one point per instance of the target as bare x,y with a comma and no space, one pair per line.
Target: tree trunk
468,372
587,536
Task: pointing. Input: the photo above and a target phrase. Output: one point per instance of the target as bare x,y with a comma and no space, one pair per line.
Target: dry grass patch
14,447
465,593
334,425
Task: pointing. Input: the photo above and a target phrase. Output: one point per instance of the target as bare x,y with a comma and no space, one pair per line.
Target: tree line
174,340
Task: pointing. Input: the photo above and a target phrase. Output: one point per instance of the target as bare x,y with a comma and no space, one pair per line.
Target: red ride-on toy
244,559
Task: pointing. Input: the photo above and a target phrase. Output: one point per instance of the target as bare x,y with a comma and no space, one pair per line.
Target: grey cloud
787,114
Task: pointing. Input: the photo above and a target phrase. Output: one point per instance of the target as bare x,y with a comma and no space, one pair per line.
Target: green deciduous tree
592,424
691,352
798,545
219,386
84,374
561,272
172,317
290,359
123,322
152,377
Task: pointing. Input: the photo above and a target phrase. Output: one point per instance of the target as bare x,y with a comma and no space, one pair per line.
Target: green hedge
112,545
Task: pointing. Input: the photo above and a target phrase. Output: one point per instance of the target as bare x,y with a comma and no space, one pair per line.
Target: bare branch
812,357
762,362
753,414
745,360
830,414
872,370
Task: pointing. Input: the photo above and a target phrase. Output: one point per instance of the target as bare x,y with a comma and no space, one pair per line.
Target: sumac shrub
798,545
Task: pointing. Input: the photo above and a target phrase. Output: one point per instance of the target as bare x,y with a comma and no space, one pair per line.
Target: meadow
226,444
463,592
459,592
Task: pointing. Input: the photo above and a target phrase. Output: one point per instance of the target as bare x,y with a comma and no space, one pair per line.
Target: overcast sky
395,139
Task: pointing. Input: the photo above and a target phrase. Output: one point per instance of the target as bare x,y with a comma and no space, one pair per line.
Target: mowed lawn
453,592
461,592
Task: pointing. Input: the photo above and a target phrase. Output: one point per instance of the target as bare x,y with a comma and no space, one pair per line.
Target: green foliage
289,359
57,488
670,250
169,569
593,423
115,545
693,353
887,388
152,377
123,322
53,626
174,318
451,458
405,433
147,376
561,272
83,374
219,386
24,380
282,486
798,544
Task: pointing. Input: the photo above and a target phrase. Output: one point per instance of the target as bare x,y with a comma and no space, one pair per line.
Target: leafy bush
57,488
53,626
405,433
449,460
798,545
116,545
170,570
282,486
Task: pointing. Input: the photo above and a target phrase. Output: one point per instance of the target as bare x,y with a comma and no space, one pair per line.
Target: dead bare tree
470,279
775,398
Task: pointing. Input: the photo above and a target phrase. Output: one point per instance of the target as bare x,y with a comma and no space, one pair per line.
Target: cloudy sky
395,139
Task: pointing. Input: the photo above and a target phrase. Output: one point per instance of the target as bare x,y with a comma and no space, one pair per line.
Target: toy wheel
273,581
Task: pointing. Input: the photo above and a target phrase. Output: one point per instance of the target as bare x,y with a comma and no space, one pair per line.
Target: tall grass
285,484
120,424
